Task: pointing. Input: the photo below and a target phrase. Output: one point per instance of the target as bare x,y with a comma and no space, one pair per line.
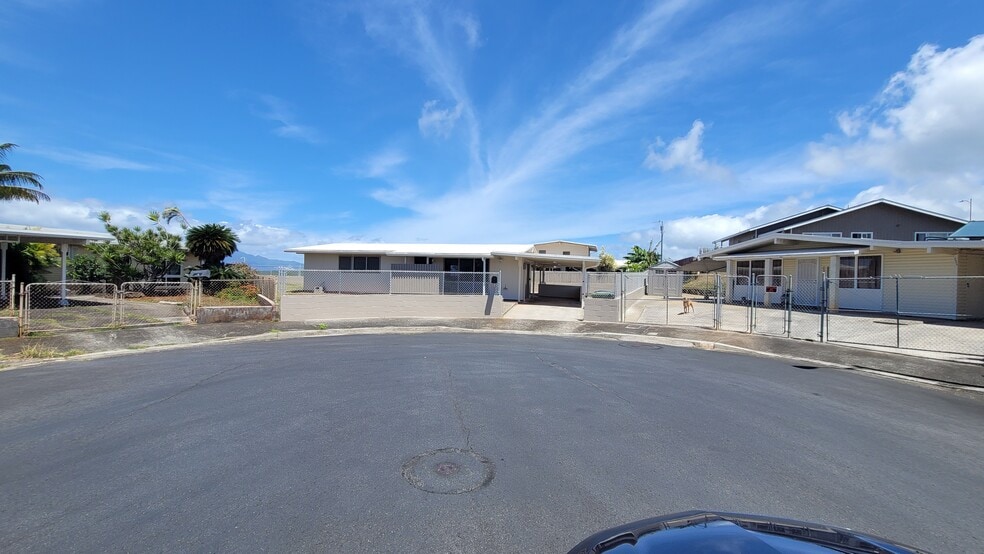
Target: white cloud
398,195
472,28
382,164
685,153
438,122
922,136
70,214
277,110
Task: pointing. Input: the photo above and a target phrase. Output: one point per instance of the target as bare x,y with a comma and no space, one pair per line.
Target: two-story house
857,247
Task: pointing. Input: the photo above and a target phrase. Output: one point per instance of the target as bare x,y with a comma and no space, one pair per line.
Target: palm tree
211,243
17,185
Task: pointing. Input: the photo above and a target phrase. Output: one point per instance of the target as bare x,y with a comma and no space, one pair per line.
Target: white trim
791,254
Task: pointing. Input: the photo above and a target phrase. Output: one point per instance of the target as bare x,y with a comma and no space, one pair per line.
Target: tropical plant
211,243
641,259
606,262
18,185
28,261
145,254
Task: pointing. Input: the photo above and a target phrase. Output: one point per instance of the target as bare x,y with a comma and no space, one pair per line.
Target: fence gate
148,303
758,306
68,306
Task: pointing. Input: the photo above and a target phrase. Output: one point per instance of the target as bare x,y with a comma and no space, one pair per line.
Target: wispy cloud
411,30
437,122
277,110
381,164
642,62
91,160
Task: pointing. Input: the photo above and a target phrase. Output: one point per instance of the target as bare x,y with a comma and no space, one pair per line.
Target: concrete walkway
928,366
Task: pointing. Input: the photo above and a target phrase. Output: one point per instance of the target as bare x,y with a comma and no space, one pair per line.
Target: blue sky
303,122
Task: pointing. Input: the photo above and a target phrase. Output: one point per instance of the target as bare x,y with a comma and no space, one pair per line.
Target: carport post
3,267
64,274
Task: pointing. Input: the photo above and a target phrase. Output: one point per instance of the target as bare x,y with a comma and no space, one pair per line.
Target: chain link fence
942,314
69,306
235,292
8,298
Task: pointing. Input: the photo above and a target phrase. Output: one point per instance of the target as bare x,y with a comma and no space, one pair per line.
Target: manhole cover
449,471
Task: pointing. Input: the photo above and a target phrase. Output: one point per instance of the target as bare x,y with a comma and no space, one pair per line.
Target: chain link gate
759,306
69,306
149,303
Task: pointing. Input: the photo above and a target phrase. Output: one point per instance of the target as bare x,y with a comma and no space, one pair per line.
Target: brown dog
688,305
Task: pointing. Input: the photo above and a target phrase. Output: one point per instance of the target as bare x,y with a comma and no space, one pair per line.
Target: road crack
569,373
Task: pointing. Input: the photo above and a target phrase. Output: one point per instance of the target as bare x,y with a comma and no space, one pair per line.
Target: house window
860,272
543,251
932,235
359,263
862,235
420,260
753,269
567,252
777,267
466,265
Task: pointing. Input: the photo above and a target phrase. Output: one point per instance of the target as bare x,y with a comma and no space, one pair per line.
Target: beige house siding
970,292
559,247
920,296
304,307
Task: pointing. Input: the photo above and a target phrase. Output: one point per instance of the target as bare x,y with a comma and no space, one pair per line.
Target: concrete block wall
303,307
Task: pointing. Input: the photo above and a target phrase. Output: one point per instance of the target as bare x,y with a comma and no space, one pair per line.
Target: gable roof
867,205
780,220
831,244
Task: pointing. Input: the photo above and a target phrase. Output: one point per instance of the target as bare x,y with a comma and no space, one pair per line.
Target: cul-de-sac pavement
454,441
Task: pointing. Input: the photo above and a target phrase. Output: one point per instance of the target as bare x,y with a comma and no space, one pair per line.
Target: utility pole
970,216
661,241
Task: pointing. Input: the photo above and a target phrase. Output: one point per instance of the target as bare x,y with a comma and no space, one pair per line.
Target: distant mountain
261,262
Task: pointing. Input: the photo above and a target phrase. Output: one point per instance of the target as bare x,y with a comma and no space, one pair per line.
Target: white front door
807,291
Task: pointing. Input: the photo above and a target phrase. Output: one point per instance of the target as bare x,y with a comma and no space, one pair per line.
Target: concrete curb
274,334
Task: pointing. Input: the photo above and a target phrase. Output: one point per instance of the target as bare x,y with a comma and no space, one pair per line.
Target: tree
211,243
145,254
606,262
88,269
18,185
641,259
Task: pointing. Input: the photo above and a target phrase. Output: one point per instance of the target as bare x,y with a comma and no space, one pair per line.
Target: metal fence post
823,304
898,320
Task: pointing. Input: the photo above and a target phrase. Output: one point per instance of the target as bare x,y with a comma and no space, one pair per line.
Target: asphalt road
302,444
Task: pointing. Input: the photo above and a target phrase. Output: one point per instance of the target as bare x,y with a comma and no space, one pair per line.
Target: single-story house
518,264
858,247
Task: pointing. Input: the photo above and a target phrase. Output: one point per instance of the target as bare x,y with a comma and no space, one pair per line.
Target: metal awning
815,253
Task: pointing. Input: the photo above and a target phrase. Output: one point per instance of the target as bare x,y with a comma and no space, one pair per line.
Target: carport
533,277
65,238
